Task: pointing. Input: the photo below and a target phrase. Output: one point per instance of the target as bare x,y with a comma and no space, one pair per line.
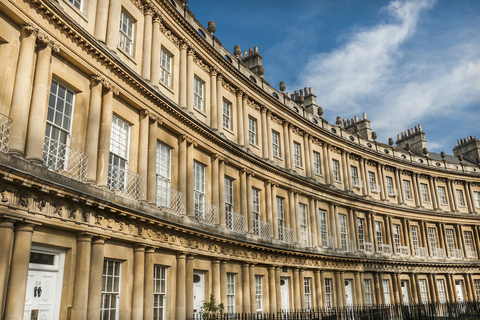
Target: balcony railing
375,187
5,130
456,254
65,160
330,245
471,254
124,182
402,250
205,212
392,192
262,229
440,253
369,247
307,241
420,252
384,248
235,222
169,200
286,234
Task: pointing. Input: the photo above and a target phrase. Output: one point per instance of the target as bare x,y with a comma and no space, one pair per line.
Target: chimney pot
356,118
255,49
364,115
310,91
250,51
420,127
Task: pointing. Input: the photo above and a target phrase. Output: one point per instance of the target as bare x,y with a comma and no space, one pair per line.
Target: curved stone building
145,167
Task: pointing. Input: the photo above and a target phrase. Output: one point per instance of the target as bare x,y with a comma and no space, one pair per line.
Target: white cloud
373,71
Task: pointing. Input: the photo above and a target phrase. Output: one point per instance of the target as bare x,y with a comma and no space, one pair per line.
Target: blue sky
403,62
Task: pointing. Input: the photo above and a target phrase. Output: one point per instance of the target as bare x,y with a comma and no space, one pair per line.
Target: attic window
253,79
275,95
295,109
314,121
228,59
202,33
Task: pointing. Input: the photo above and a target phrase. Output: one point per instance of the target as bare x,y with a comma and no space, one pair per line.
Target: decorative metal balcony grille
65,160
124,182
205,212
235,222
5,130
471,254
384,248
358,183
440,253
422,252
402,250
286,234
456,254
170,200
262,229
369,247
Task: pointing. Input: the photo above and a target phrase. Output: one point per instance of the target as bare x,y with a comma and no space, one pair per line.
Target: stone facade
145,167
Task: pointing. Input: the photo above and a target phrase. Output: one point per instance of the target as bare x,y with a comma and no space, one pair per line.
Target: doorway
284,293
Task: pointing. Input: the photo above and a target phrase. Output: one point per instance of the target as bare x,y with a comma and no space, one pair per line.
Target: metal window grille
303,224
342,219
441,195
328,292
166,67
354,173
252,130
258,293
227,114
390,188
361,233
432,237
368,292
323,227
230,293
159,292
424,191
386,291
316,163
441,291
460,198
125,39
296,154
198,86
415,243
336,170
5,131
450,241
423,291
276,143
308,293
110,290
406,189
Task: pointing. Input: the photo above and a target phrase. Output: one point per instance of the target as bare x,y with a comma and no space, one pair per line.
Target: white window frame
198,93
227,115
308,292
386,292
229,201
112,293
119,153
450,241
432,238
396,237
164,172
423,291
468,238
281,218
297,154
371,181
424,192
354,174
323,227
390,188
259,293
342,226
415,241
379,235
252,130
199,189
476,286
159,292
442,298
275,143
316,163
368,292
58,127
256,211
302,210
361,233
336,170
126,37
328,293
442,196
166,59
476,195
460,199
78,4
231,303
406,189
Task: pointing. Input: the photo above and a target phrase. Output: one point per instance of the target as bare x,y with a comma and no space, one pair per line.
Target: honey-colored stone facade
145,167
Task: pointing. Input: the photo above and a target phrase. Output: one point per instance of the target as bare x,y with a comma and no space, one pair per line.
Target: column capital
214,72
110,86
28,29
157,17
285,123
190,52
85,236
263,109
138,247
150,250
44,41
239,93
148,9
97,79
184,44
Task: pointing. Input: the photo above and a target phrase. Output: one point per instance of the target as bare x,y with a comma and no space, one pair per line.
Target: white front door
284,293
404,286
44,285
348,292
459,287
198,290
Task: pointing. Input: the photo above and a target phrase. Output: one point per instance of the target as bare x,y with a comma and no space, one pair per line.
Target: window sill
229,130
374,191
337,181
199,111
299,167
357,187
392,195
253,145
126,54
166,87
319,175
278,158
